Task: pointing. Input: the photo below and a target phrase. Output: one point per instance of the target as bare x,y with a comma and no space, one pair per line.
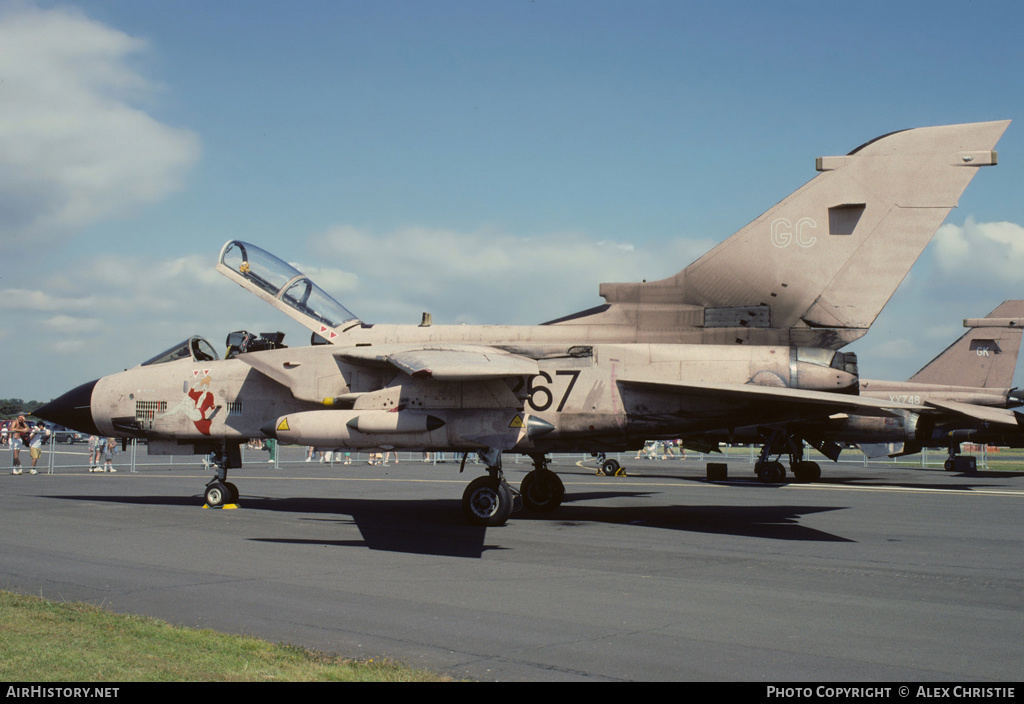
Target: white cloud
334,281
110,314
75,324
967,271
34,300
485,276
73,148
991,251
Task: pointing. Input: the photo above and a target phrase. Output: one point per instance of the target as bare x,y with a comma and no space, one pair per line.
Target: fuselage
583,397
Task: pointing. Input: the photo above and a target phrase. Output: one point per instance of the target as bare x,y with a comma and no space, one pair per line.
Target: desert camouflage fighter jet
963,395
747,334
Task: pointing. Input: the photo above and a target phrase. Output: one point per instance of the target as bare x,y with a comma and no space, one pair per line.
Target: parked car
66,435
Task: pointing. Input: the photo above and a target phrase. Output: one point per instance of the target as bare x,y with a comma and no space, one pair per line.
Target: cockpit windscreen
195,348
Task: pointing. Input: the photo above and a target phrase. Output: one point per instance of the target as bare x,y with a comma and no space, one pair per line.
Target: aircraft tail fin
985,356
817,268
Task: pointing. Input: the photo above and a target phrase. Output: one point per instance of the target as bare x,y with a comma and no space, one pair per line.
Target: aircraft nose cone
269,430
73,409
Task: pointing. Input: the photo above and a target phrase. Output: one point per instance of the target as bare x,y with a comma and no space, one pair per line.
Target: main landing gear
490,500
541,489
773,471
956,463
608,467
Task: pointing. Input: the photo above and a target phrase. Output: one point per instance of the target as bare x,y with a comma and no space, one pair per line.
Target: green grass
1005,459
43,641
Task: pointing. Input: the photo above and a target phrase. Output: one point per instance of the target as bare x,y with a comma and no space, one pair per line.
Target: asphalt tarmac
874,574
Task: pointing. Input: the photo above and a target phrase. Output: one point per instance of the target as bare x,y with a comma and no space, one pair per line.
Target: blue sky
485,161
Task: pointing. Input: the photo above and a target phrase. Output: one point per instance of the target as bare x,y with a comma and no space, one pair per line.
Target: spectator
19,431
109,450
40,434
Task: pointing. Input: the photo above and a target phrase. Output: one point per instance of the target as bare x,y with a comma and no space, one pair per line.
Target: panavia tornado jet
747,334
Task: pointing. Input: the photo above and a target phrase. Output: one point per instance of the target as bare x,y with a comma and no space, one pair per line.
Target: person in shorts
39,435
109,450
19,431
95,452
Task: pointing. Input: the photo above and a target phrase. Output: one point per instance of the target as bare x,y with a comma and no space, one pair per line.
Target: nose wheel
218,494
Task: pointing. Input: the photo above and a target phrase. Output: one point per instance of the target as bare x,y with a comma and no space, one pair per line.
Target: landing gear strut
954,450
219,491
956,463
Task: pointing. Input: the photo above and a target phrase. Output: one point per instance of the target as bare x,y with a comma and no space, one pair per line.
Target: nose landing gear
220,493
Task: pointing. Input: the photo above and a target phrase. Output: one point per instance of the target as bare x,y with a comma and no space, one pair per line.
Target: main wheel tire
610,468
771,472
487,502
807,471
542,490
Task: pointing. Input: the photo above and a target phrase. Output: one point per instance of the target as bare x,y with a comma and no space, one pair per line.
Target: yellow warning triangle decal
283,425
517,422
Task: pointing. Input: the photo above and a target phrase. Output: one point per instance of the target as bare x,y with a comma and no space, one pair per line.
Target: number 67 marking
541,397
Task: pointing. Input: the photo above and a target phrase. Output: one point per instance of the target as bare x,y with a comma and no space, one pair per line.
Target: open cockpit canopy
284,287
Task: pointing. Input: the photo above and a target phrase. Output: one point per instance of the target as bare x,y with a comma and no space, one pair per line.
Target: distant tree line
13,406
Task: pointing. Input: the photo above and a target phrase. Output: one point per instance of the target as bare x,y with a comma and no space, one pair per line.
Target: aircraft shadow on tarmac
967,481
437,527
772,522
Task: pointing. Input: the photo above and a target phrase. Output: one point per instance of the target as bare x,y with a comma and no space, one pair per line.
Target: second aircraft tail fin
985,356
